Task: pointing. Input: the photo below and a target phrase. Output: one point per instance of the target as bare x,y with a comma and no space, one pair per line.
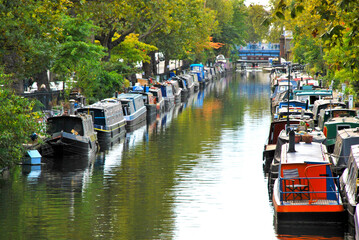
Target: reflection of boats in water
112,159
70,173
135,137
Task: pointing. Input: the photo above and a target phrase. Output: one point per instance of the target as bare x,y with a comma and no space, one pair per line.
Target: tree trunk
147,69
167,66
41,78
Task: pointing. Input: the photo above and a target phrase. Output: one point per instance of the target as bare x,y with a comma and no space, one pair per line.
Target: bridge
258,52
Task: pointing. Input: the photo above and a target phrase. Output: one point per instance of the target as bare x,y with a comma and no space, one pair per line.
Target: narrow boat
349,186
148,99
326,114
183,85
302,133
199,70
189,83
108,120
345,139
311,95
333,125
293,113
134,110
176,91
70,135
160,102
269,148
195,81
167,94
325,104
306,191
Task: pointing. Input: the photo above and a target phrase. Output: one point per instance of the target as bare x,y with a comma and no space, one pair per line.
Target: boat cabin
349,183
104,113
311,95
325,104
294,113
345,139
333,125
326,114
199,70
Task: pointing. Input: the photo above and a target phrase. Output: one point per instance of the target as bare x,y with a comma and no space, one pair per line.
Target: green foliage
307,50
18,122
257,31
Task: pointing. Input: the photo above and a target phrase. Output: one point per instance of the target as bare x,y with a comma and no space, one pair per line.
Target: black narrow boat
70,135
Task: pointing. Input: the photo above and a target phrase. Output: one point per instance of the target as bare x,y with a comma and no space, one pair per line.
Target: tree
257,31
18,122
29,31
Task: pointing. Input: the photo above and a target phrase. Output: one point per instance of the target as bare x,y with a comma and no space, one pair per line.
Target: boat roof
355,153
305,153
349,133
328,101
128,96
313,92
342,120
196,65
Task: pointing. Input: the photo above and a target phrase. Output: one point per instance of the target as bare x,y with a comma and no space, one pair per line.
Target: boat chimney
72,107
291,141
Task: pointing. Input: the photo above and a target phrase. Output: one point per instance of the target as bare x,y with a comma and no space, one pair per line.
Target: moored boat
199,70
134,110
176,91
306,191
349,185
167,94
148,99
70,135
325,104
345,139
108,120
333,125
189,83
160,102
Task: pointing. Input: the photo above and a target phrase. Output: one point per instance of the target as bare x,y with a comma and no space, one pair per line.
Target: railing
259,52
311,193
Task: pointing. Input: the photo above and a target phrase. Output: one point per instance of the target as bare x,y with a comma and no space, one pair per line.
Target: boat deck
306,202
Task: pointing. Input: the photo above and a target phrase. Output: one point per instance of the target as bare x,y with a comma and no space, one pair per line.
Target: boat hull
133,120
110,135
65,144
302,211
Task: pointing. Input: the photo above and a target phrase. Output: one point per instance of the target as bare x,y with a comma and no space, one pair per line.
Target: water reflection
194,172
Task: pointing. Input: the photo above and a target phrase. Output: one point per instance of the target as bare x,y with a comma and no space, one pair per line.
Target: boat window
125,109
340,127
312,99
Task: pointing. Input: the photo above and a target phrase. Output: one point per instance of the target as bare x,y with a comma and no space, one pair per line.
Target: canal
193,173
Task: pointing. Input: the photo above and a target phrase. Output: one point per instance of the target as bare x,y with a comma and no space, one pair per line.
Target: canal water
194,172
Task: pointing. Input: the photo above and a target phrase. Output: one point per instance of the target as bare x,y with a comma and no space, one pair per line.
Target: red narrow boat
306,191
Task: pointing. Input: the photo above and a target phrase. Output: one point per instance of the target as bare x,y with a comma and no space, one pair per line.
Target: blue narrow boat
199,70
134,110
167,94
108,119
